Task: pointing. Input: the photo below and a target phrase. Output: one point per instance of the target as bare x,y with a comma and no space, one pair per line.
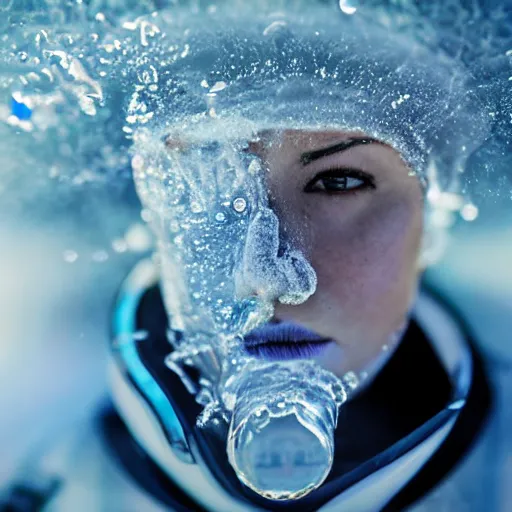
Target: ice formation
182,87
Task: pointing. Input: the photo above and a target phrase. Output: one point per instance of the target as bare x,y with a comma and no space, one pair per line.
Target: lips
283,341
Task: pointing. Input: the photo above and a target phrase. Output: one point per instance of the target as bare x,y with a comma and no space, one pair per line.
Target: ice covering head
207,89
313,67
316,68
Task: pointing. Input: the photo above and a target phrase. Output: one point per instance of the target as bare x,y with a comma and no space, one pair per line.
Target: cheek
374,256
366,263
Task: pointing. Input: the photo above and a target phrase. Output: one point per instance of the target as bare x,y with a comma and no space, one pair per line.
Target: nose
270,268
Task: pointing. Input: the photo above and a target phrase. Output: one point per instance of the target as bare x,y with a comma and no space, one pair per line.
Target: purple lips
284,340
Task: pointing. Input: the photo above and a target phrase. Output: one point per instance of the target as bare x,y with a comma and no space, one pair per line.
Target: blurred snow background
56,294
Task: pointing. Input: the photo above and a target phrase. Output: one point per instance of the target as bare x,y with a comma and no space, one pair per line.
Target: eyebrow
310,156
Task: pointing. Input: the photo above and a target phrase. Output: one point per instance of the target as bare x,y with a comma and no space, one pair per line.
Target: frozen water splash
287,277
276,73
152,39
476,35
80,82
56,119
282,418
413,90
224,263
223,260
102,68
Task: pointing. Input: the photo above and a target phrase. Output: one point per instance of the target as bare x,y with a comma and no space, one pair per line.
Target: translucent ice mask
224,262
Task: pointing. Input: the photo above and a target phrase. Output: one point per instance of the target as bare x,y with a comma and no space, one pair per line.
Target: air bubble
178,241
196,207
239,204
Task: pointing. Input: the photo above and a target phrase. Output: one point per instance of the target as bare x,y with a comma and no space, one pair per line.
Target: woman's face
351,205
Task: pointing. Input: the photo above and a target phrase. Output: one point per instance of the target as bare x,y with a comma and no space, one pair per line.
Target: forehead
269,142
310,139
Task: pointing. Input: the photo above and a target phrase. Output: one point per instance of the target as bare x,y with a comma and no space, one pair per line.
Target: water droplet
218,86
70,256
146,29
273,27
340,394
239,204
138,238
119,245
145,215
254,167
348,7
178,240
186,50
100,256
350,380
137,162
140,335
469,212
195,207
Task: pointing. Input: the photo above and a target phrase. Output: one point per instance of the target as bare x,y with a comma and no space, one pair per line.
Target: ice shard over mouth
279,340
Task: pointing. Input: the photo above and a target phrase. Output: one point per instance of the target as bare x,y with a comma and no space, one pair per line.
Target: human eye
340,180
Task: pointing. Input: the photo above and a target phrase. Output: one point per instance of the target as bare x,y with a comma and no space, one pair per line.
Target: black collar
405,396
